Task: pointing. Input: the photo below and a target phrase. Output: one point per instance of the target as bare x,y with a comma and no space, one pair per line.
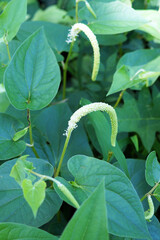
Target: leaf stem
65,70
30,134
119,98
9,55
63,153
150,192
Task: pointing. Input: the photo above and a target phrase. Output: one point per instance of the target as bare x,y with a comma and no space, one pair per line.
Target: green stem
30,134
62,155
119,98
150,192
76,12
65,70
59,4
9,55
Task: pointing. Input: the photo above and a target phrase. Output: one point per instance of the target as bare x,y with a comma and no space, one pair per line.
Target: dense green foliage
61,176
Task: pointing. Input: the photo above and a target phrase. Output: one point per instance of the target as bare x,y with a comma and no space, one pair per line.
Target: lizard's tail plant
75,30
83,111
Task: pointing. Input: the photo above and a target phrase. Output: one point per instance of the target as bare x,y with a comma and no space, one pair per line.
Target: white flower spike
73,33
99,106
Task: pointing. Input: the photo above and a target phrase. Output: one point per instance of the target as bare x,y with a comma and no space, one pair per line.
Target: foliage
79,156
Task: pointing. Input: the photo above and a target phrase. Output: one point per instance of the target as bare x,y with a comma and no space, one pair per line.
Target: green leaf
136,169
112,18
141,116
101,125
8,147
20,134
110,40
152,172
4,102
13,45
12,17
54,15
154,228
4,60
90,221
34,194
2,5
20,232
42,145
125,211
14,207
56,33
2,70
136,70
19,171
152,26
32,73
157,193
134,139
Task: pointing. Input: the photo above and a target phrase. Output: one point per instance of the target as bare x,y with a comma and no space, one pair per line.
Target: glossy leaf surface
121,198
112,18
136,70
8,147
152,169
34,194
32,77
20,232
91,216
9,21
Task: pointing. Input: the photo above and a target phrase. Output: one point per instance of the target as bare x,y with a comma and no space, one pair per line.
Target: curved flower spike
75,30
83,111
150,212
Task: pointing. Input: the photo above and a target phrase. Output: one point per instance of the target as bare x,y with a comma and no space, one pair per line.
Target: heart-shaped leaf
125,211
34,194
13,206
32,77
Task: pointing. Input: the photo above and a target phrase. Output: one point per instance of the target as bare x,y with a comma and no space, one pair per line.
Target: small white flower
83,111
